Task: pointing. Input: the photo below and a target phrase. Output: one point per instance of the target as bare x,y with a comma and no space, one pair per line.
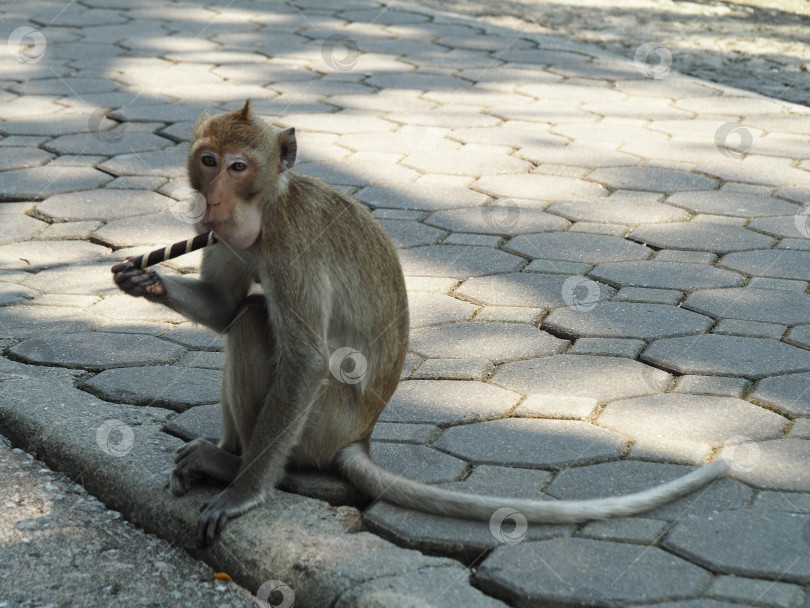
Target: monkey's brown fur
330,279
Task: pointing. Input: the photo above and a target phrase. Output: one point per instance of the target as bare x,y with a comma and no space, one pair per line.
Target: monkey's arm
213,301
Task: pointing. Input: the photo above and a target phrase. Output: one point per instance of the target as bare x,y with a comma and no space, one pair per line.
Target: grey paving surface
607,269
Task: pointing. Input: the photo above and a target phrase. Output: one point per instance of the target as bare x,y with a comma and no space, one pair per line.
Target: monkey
326,281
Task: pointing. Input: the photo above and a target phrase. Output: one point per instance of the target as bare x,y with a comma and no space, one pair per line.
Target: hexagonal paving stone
540,187
417,462
77,279
493,341
19,228
578,247
775,263
428,197
718,355
410,233
525,289
154,230
472,159
447,401
170,162
461,539
497,220
629,476
39,183
767,305
550,573
602,378
103,204
435,308
26,321
774,545
176,388
618,209
783,226
457,261
665,275
716,238
49,253
787,393
97,350
120,140
11,293
651,179
126,308
525,442
663,421
780,464
19,158
737,204
626,320
195,336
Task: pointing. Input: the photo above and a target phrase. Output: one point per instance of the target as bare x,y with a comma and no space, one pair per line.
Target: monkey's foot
223,507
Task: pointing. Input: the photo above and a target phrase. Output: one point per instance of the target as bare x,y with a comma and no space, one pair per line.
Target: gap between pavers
314,548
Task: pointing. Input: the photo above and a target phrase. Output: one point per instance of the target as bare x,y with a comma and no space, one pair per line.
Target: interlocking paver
652,179
771,263
494,341
533,443
418,462
41,182
436,308
711,385
718,355
645,294
625,320
152,230
768,549
157,385
578,247
406,233
97,350
526,289
545,571
19,228
497,219
541,187
738,204
787,393
665,275
456,261
740,590
427,197
665,422
448,401
701,237
602,378
753,329
623,206
453,369
765,305
800,335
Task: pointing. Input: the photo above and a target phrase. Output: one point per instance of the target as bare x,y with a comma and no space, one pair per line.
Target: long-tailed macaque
332,285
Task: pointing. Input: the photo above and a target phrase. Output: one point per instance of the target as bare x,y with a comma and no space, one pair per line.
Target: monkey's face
227,179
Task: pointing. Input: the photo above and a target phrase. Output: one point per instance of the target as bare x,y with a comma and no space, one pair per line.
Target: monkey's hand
223,507
138,282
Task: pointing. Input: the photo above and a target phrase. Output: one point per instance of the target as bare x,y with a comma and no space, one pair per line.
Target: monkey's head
238,164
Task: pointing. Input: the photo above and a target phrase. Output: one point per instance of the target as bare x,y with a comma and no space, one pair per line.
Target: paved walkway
607,265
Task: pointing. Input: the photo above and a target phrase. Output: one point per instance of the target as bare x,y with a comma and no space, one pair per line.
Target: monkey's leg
276,428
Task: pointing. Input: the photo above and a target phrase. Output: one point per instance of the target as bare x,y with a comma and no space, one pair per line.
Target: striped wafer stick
173,251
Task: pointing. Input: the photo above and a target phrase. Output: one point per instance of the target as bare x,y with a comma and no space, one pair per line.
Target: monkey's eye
239,166
209,161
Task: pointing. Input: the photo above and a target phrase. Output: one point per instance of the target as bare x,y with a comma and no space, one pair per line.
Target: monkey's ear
244,113
288,148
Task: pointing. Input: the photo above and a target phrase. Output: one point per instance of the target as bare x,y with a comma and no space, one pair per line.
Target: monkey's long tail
356,464
175,250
